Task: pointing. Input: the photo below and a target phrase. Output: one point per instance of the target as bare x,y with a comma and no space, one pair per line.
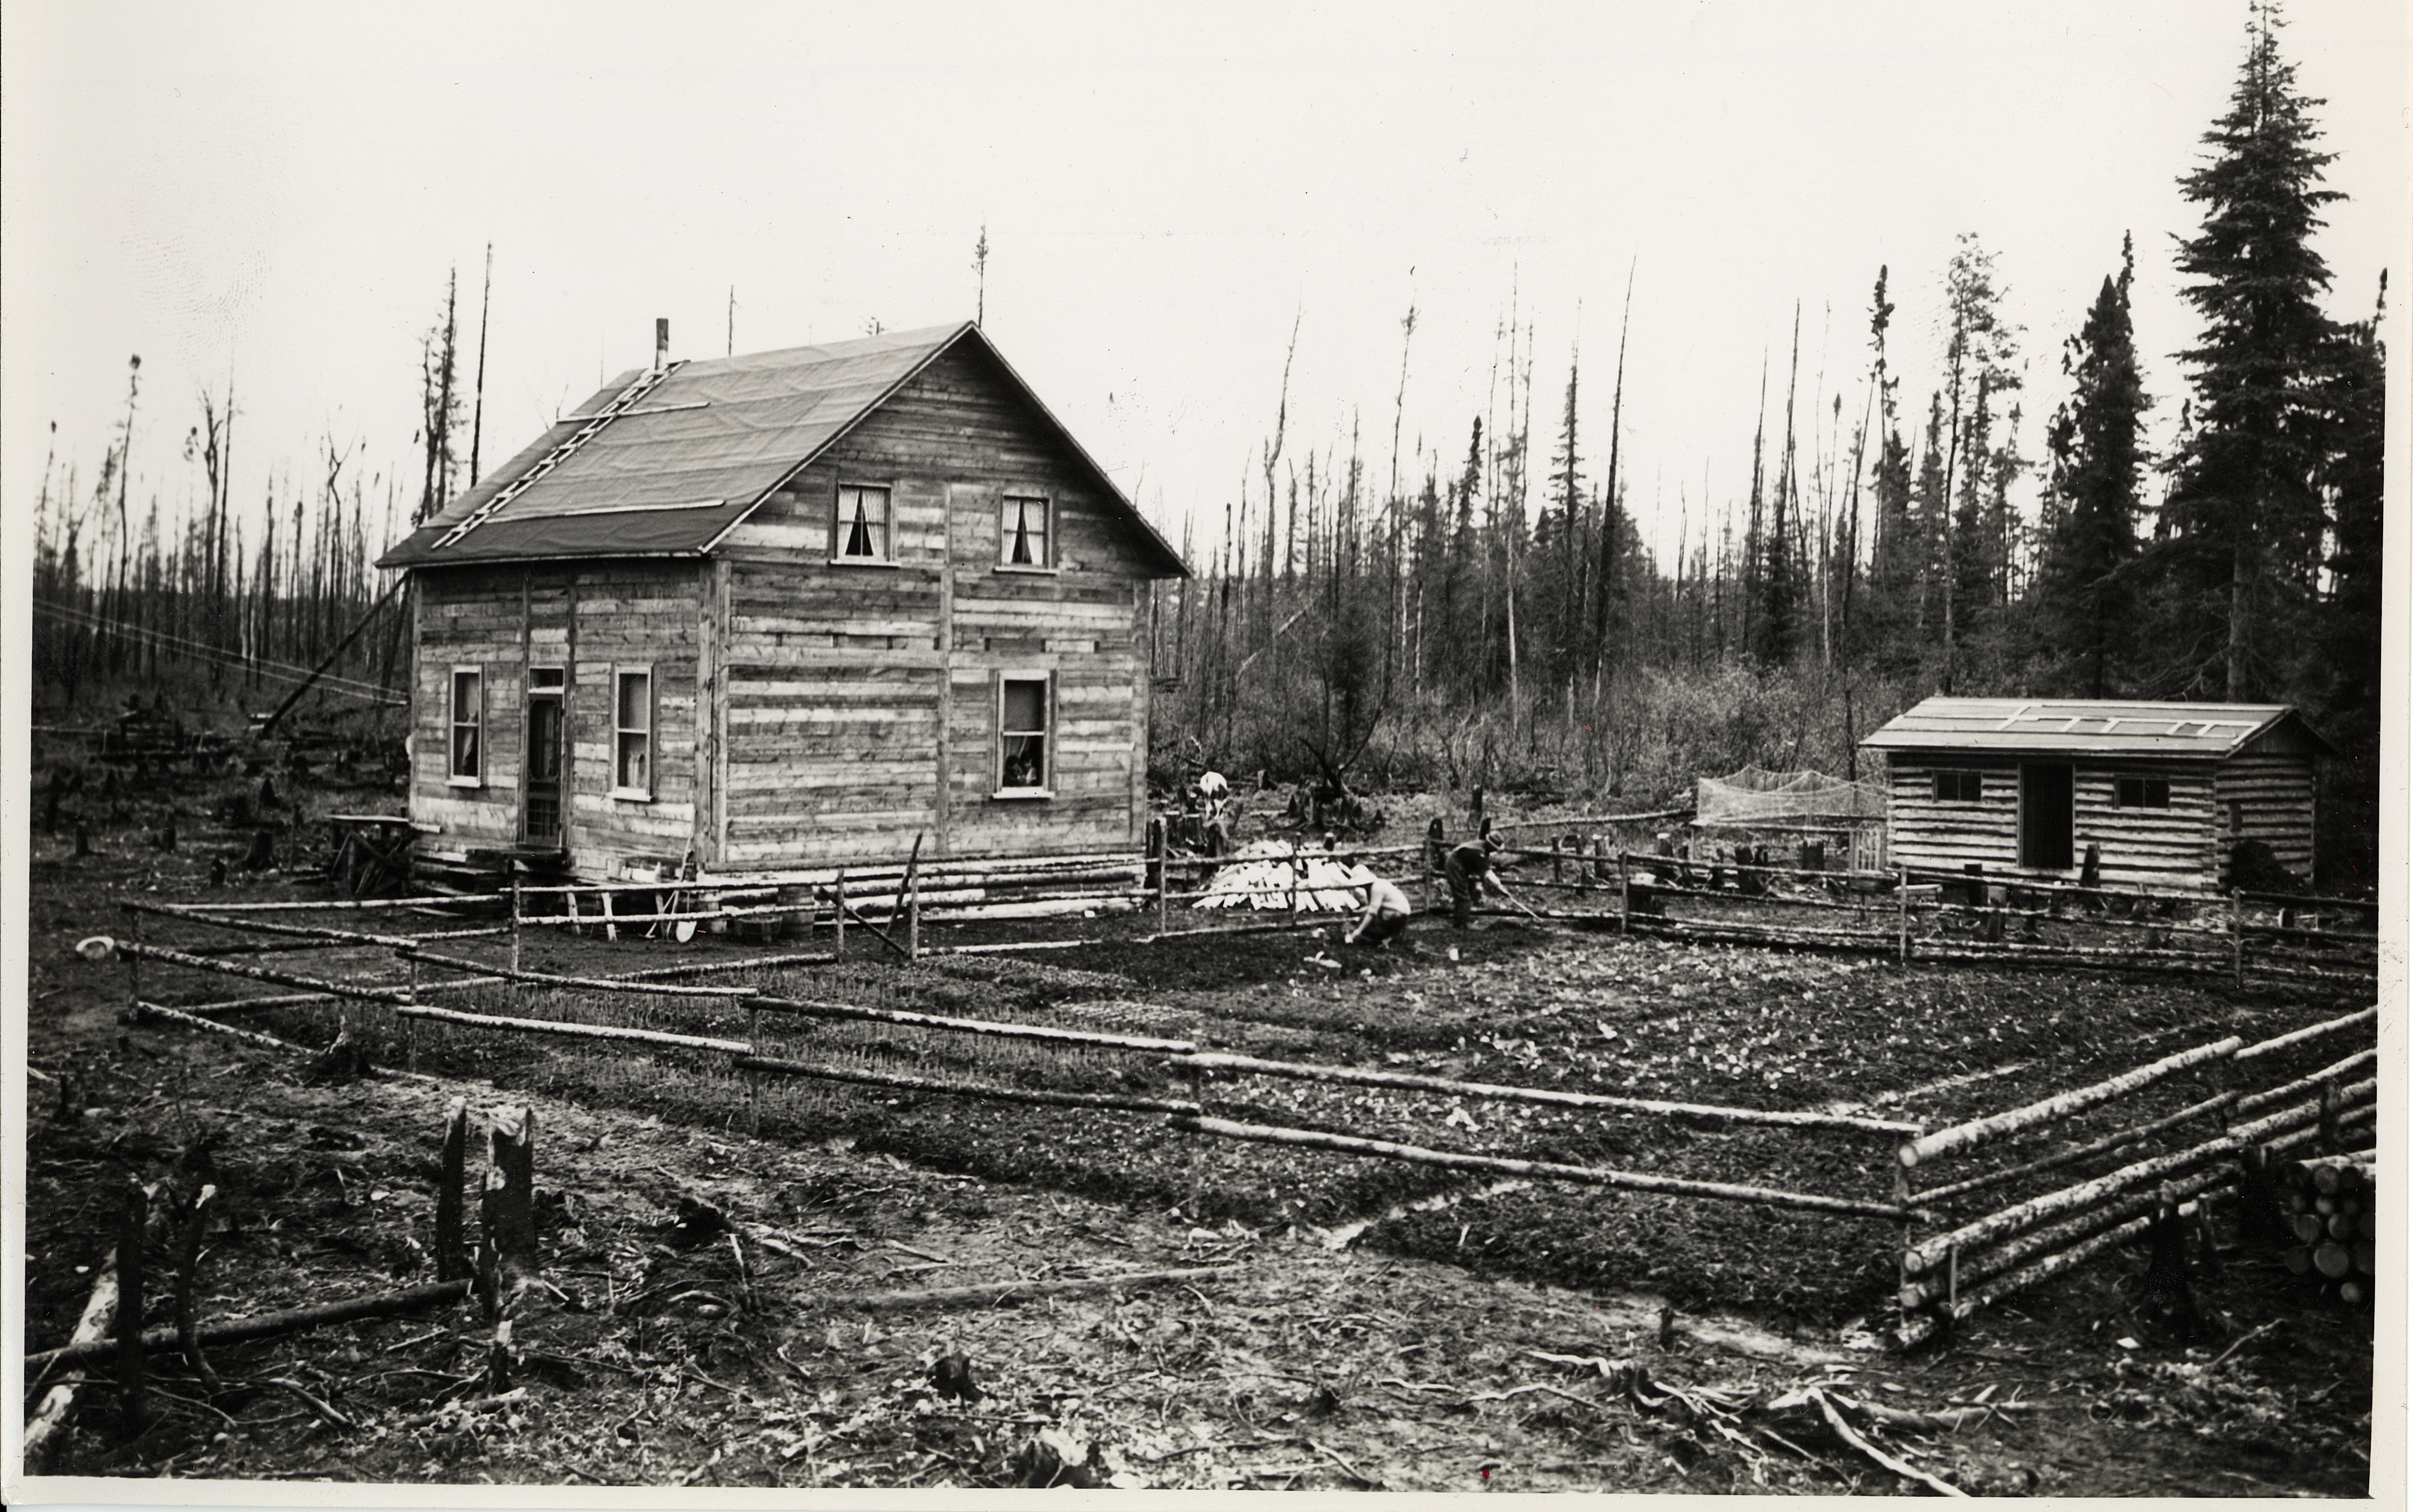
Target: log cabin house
785,610
2020,788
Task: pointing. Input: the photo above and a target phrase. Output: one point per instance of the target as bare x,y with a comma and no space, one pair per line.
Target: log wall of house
2174,847
587,619
860,700
2265,793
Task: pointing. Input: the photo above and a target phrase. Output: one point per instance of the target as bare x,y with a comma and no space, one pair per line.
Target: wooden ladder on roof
619,404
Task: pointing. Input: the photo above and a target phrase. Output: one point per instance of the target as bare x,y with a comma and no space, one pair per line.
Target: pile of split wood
1268,874
2327,1206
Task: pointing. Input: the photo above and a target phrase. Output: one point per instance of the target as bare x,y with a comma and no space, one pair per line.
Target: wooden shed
2022,787
783,610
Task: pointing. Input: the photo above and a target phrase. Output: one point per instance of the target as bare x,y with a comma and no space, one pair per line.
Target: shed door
2045,821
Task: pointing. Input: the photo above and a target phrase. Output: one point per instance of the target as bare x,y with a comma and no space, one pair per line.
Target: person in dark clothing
1468,866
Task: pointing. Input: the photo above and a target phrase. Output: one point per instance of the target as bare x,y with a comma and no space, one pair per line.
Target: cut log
2307,1227
265,1325
2298,1259
1036,1096
2334,1260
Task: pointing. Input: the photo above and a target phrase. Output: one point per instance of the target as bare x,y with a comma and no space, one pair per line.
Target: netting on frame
1758,796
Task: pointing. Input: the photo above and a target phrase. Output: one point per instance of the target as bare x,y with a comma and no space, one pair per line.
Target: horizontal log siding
628,614
467,617
2171,846
2273,792
836,676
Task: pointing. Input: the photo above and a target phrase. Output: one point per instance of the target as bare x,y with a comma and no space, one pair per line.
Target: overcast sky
275,194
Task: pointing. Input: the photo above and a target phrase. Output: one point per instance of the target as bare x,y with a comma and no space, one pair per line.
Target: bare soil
1370,1322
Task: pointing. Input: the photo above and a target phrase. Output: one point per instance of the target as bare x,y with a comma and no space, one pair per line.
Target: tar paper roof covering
697,453
2112,727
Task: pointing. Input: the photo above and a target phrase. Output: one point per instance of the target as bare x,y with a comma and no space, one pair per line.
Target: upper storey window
1023,533
861,531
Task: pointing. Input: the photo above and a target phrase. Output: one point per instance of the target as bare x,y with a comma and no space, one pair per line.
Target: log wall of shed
2174,847
2266,795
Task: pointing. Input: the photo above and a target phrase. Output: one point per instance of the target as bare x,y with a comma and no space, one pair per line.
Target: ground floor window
1958,787
632,732
2144,792
468,720
1023,720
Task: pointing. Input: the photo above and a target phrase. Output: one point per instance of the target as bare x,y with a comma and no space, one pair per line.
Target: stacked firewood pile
2327,1206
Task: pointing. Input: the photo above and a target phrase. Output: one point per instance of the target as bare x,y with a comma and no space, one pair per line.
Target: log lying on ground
266,1042
1549,1170
1003,1291
1977,1132
267,1325
583,984
815,1008
1110,1101
574,1031
94,1339
261,973
1250,1065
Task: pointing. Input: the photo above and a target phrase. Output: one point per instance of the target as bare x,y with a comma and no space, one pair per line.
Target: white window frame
620,672
475,776
1046,732
840,522
1005,508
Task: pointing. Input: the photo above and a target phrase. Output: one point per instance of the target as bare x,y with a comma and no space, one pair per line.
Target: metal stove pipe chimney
661,343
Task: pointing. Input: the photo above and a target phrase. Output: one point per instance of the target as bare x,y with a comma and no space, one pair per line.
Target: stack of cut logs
2327,1204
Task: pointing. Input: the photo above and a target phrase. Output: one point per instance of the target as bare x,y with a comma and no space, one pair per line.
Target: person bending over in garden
1468,866
1386,912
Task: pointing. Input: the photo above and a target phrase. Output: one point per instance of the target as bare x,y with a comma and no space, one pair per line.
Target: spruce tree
2346,701
2245,518
2096,443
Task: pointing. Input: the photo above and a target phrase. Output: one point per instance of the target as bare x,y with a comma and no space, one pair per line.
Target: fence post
1294,866
1624,894
1902,911
133,960
515,922
2237,932
1901,1195
1434,837
753,1077
1164,881
837,951
1555,878
913,920
411,996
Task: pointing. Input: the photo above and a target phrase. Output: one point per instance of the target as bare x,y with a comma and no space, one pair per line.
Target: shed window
1958,787
1022,535
468,720
632,732
2144,792
1022,729
860,532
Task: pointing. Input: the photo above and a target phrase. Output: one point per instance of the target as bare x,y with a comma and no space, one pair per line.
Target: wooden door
540,795
2047,817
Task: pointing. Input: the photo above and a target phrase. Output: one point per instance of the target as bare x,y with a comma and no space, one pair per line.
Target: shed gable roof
685,454
2107,727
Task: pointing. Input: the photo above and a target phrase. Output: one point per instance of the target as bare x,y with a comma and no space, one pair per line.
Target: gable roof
2109,727
665,463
